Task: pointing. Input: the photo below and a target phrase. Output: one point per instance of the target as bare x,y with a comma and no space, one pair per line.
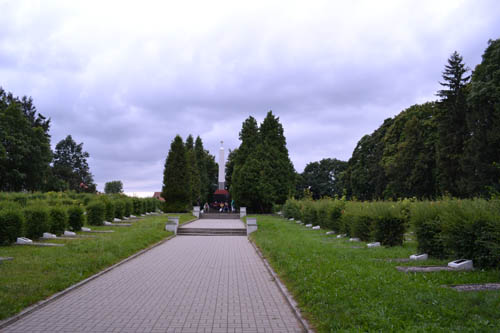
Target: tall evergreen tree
70,166
262,158
176,178
207,169
452,129
482,146
194,172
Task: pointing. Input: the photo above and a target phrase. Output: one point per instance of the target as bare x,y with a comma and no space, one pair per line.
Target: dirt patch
476,287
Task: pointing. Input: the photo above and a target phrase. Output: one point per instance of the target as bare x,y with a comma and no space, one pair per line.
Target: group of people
221,207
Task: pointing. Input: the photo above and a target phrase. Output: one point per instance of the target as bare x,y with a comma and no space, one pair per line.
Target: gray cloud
125,78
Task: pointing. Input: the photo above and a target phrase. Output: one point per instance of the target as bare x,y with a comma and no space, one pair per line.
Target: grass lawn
339,287
38,272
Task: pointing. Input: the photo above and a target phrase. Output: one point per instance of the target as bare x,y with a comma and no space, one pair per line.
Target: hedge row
31,215
384,222
449,228
460,229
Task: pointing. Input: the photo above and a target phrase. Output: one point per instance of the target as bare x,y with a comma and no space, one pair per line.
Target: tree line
27,162
189,176
446,147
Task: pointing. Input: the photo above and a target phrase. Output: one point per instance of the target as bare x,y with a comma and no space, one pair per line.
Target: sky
125,77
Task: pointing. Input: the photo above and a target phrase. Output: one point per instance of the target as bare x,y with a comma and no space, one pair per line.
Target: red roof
223,192
158,196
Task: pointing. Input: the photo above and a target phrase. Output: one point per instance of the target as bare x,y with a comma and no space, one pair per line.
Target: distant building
158,196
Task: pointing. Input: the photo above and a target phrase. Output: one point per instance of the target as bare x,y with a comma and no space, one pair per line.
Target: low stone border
284,291
42,303
418,269
475,286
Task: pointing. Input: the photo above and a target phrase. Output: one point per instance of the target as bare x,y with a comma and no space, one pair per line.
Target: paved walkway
188,284
216,224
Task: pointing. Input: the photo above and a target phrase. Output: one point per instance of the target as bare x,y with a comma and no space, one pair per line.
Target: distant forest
448,147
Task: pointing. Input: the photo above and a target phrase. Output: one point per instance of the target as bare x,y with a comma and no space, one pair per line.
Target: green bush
75,218
11,224
426,220
323,212
309,213
137,210
58,220
362,227
471,230
109,210
129,207
37,221
389,224
336,207
119,209
96,213
291,209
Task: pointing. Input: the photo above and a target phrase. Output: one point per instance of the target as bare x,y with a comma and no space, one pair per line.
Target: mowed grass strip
341,287
38,272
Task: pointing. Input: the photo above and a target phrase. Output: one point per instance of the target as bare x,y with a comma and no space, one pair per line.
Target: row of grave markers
460,264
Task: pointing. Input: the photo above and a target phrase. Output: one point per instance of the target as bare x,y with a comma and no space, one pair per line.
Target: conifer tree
194,172
451,123
176,181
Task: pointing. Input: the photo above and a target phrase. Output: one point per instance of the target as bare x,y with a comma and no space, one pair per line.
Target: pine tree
176,181
452,129
194,172
482,146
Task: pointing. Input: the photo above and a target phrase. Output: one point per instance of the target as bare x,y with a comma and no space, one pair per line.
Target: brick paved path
188,284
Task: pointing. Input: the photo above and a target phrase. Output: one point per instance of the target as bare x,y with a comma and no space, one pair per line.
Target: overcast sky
124,77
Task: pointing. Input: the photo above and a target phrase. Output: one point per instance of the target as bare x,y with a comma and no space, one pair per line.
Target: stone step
222,216
211,232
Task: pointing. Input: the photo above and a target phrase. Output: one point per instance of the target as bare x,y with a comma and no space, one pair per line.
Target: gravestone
23,240
48,235
354,239
309,225
374,244
464,264
316,227
196,211
85,229
251,225
243,212
330,233
421,256
69,233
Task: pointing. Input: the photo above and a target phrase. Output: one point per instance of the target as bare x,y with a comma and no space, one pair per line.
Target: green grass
339,287
38,272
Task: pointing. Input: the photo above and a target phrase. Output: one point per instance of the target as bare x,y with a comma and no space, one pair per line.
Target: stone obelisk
222,168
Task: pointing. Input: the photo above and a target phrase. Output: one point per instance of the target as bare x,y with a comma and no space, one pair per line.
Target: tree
176,178
207,169
115,186
230,166
263,173
409,153
451,125
323,178
482,144
70,165
365,176
25,153
194,171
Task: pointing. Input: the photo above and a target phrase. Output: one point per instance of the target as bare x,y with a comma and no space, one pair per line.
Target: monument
221,194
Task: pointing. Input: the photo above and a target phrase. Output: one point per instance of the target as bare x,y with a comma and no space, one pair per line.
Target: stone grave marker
420,256
48,235
251,225
463,264
317,227
374,244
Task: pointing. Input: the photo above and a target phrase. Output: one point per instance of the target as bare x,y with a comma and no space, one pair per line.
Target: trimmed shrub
58,220
309,214
471,229
37,221
291,209
361,226
129,207
137,206
109,210
11,224
75,218
425,218
336,207
389,224
322,212
119,209
96,213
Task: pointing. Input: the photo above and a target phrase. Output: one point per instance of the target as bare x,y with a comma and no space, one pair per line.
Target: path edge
40,304
283,289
